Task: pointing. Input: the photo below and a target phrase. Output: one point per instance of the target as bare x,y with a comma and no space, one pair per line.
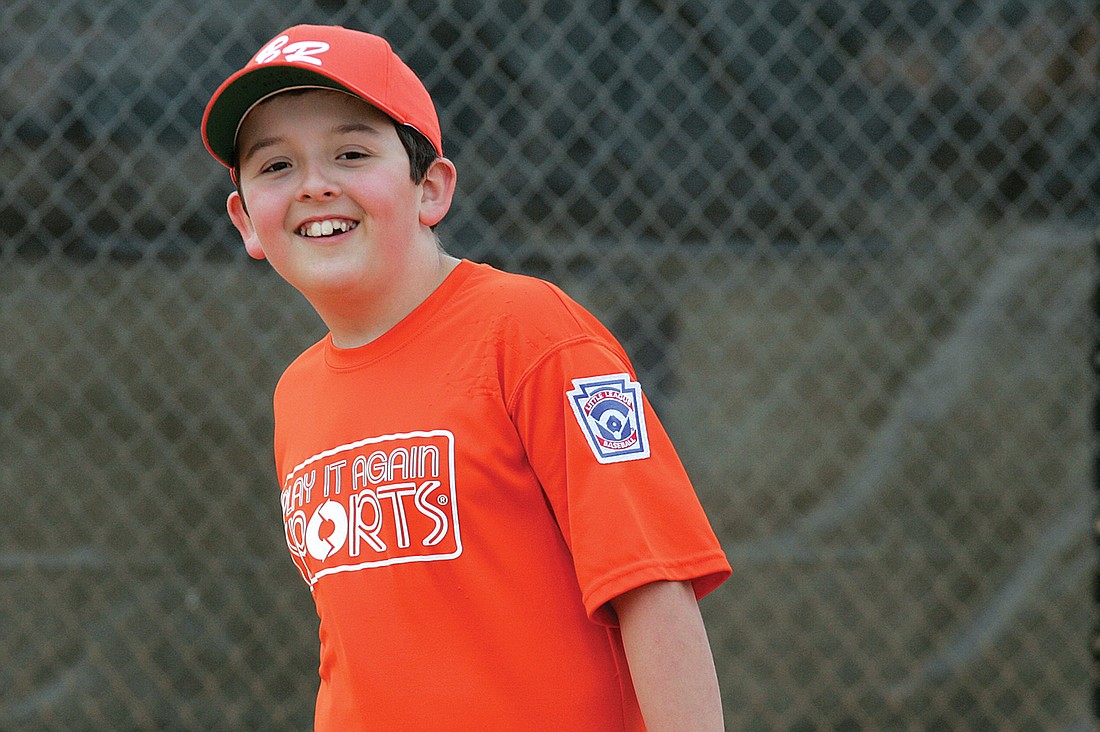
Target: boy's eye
353,155
276,167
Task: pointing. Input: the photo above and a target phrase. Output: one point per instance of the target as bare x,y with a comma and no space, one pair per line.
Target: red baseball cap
324,56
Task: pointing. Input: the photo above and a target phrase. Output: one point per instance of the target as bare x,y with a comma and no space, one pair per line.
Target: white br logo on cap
302,52
609,411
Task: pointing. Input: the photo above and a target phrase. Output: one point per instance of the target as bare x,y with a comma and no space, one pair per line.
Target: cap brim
238,95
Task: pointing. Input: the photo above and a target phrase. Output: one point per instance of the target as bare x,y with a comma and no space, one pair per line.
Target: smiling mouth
328,227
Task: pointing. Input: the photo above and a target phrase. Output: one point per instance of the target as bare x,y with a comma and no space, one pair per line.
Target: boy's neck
353,324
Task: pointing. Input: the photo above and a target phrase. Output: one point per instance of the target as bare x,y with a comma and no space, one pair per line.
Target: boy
495,528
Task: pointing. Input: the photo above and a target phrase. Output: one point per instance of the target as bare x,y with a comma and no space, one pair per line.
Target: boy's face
330,200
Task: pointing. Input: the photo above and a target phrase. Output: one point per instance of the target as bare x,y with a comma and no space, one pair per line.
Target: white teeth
326,227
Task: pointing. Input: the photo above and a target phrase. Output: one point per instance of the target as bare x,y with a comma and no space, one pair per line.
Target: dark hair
421,152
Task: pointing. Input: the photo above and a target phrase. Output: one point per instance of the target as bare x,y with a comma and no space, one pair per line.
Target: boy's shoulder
524,318
528,303
513,287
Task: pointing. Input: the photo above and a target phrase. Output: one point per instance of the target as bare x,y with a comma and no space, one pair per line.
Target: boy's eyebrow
258,145
356,127
263,142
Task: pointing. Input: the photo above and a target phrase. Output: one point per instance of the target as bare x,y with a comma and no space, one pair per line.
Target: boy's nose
317,186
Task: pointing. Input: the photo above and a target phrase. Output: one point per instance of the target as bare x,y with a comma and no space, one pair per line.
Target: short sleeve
618,490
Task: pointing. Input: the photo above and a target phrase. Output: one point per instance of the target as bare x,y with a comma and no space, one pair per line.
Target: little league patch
609,411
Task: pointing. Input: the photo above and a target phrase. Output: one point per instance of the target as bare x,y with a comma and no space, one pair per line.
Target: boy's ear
238,214
436,191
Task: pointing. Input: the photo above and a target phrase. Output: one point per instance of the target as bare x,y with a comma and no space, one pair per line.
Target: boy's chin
333,291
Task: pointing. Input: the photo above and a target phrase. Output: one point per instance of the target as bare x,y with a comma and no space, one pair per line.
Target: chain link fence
849,245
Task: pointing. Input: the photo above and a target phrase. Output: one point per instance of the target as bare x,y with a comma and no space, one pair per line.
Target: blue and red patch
609,411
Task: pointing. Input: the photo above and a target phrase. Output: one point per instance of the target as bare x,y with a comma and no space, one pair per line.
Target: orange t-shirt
464,495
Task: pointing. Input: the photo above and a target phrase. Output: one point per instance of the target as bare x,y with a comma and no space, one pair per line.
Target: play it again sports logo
380,501
609,411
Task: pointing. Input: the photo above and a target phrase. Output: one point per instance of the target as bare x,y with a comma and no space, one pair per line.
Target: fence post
1096,476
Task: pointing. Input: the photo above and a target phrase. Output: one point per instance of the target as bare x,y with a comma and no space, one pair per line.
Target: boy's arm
669,657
